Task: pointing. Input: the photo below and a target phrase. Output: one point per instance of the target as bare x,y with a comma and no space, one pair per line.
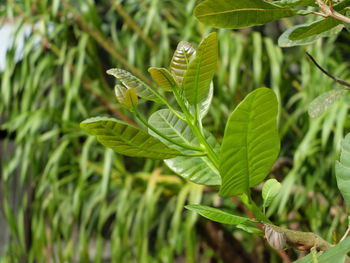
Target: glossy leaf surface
270,190
342,170
201,70
239,13
196,169
163,78
217,215
126,139
250,144
322,103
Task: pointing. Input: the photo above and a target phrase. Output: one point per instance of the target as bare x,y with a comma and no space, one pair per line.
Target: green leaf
270,190
130,81
163,78
217,215
181,59
250,144
336,254
126,139
126,97
239,13
201,70
196,169
250,227
342,170
295,3
319,105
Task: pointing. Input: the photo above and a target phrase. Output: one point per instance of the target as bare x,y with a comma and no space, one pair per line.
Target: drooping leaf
201,70
163,78
181,59
342,170
336,254
239,13
126,139
196,169
130,81
250,144
217,215
321,104
270,190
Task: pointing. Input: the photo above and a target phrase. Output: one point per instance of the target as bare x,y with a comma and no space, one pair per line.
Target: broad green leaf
250,144
313,29
196,169
126,139
342,170
201,70
181,59
295,3
130,81
163,78
319,105
239,13
270,190
336,254
217,215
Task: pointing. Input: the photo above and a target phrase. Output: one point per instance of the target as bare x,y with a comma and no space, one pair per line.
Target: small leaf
126,139
201,70
250,145
217,215
163,78
239,13
342,170
319,105
181,59
270,190
130,81
126,97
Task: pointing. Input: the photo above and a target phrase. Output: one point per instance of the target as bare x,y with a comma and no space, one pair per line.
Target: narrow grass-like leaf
270,190
239,13
163,78
130,81
250,144
342,170
196,169
321,104
217,215
126,139
201,70
181,59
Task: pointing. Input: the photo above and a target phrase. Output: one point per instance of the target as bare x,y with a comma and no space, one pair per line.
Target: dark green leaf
319,105
342,170
126,139
250,144
239,13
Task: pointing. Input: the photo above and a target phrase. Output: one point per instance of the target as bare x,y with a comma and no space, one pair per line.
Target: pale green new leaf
239,13
163,78
336,254
126,139
181,58
217,215
130,81
201,70
321,104
196,169
250,144
342,170
270,190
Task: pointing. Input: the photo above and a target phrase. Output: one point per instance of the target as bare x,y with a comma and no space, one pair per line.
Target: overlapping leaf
239,13
250,144
163,78
201,70
196,169
126,139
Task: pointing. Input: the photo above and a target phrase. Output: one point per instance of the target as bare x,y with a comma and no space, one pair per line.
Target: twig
328,11
345,235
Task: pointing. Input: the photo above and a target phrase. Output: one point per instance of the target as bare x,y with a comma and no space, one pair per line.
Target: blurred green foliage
68,199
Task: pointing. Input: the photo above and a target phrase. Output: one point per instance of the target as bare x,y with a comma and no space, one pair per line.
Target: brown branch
328,11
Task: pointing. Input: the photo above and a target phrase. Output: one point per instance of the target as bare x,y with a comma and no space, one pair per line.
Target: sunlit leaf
126,139
217,215
270,190
126,97
239,13
201,70
250,144
319,105
163,78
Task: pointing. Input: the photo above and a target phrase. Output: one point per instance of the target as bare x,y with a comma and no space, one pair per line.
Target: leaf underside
322,103
250,144
126,139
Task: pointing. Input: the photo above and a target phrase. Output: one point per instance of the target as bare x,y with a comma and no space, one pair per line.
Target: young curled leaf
126,97
276,239
270,190
163,78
